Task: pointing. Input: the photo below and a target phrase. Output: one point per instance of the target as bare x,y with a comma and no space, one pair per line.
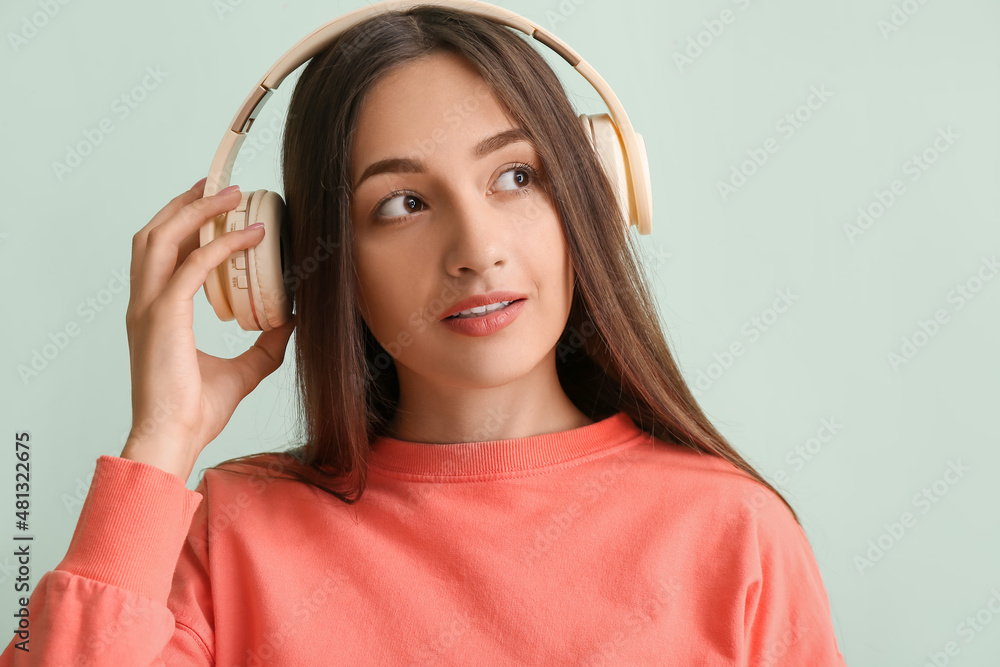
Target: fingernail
255,225
231,188
199,183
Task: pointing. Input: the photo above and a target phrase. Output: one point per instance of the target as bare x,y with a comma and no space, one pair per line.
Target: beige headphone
249,285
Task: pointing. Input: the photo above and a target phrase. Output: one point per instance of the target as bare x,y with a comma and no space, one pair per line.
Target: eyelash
519,192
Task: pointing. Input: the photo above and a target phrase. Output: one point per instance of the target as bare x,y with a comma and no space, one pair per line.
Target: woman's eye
400,205
520,177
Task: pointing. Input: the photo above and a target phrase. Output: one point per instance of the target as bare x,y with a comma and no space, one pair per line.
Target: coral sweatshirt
597,545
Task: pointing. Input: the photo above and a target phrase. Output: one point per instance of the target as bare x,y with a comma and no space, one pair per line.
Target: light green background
715,263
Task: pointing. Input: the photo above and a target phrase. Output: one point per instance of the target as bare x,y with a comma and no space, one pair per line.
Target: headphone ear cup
254,277
607,143
267,295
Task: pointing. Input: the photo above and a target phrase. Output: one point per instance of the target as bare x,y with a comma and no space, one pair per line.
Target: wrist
163,454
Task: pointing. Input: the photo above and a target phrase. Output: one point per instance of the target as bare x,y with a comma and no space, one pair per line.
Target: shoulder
749,539
713,485
248,480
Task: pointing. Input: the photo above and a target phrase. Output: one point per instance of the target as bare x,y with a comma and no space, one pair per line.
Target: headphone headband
220,172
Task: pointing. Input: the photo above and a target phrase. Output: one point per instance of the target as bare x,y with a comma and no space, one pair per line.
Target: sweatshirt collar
515,457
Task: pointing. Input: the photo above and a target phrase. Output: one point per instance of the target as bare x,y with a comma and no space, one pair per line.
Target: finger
139,239
264,357
194,193
192,274
190,242
160,259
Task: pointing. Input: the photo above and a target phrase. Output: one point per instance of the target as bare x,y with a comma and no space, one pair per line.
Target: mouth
489,310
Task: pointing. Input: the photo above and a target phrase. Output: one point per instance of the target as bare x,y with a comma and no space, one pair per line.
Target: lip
483,300
485,325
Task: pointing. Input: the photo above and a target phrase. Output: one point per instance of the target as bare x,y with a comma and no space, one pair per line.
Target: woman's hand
182,398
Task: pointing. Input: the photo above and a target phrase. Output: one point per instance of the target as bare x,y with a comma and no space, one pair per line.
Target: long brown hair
612,355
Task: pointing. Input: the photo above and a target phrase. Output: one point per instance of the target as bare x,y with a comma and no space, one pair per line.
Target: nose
477,234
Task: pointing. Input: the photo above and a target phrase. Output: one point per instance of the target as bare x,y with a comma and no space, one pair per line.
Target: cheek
554,257
385,285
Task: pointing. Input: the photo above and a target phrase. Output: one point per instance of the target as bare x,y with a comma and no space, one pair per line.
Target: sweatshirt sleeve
133,587
787,618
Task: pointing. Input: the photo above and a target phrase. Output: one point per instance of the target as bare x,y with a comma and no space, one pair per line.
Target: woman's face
452,222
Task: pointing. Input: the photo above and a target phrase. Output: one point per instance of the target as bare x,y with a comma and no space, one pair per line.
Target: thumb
265,355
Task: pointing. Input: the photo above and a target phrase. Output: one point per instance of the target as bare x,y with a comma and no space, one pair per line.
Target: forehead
436,104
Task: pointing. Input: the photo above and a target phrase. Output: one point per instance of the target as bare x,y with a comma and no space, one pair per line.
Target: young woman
533,486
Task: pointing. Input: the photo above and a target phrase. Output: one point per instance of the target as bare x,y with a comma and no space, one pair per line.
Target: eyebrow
409,165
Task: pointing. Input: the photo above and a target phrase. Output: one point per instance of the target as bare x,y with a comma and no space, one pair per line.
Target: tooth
479,310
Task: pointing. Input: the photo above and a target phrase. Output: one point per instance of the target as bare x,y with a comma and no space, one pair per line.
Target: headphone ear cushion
269,300
607,143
